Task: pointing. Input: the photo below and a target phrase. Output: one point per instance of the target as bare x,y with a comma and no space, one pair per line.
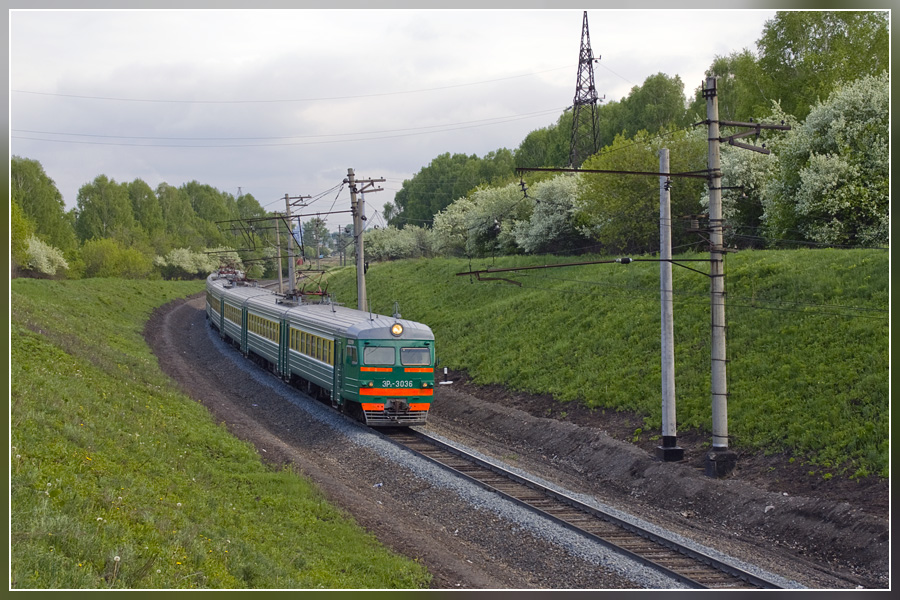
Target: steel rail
689,574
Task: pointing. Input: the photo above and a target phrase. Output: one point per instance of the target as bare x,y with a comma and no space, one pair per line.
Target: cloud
284,102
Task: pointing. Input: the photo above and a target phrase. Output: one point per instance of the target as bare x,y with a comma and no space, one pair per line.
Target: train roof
357,323
325,317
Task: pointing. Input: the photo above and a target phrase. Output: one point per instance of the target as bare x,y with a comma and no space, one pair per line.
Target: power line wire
487,121
434,129
287,100
318,196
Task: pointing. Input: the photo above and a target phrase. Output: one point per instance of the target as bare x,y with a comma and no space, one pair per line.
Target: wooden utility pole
358,208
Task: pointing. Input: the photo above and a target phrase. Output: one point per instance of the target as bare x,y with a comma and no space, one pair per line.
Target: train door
284,344
338,372
244,330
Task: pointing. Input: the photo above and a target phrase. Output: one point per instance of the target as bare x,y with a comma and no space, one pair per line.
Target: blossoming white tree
44,258
828,179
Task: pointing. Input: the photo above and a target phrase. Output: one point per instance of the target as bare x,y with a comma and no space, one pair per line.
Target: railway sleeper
624,536
719,578
633,545
537,499
602,530
542,501
494,479
568,515
580,521
461,465
670,556
733,584
513,489
696,573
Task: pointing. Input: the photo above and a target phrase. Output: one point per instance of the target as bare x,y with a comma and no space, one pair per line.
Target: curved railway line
685,565
487,549
690,567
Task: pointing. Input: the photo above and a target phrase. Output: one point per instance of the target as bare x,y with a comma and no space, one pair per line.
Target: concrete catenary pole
719,460
292,283
278,245
318,244
357,207
669,450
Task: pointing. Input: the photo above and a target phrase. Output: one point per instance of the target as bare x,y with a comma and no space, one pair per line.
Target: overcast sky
275,102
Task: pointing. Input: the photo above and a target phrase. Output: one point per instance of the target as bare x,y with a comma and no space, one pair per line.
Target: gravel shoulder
835,538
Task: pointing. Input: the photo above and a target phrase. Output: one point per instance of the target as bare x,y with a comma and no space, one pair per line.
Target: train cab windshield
378,355
386,356
415,356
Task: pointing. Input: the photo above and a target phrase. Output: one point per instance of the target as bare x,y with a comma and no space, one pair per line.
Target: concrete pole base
720,462
669,454
669,451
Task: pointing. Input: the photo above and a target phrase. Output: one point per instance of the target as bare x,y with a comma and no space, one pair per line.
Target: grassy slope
807,341
119,481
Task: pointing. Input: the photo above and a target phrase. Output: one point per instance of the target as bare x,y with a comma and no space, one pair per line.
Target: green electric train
378,369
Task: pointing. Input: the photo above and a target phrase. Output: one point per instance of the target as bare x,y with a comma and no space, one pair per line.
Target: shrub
109,258
44,258
184,263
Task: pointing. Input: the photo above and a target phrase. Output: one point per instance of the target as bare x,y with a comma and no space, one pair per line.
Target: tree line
122,229
826,181
133,230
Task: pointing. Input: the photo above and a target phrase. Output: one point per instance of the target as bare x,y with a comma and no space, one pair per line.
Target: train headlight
396,329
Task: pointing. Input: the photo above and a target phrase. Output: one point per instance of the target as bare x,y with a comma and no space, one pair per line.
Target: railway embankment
118,479
807,348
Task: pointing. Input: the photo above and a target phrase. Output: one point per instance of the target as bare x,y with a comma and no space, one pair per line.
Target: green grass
119,481
807,341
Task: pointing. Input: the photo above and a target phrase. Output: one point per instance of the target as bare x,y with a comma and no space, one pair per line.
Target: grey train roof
336,320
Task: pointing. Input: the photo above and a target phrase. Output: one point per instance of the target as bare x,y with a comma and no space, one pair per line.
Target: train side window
378,355
352,357
415,356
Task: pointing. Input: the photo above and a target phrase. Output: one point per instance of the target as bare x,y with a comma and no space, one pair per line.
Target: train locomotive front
388,371
376,368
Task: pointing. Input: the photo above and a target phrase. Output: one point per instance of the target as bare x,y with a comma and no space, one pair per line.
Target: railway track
688,566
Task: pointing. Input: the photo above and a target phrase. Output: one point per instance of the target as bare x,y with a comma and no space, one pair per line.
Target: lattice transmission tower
582,145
